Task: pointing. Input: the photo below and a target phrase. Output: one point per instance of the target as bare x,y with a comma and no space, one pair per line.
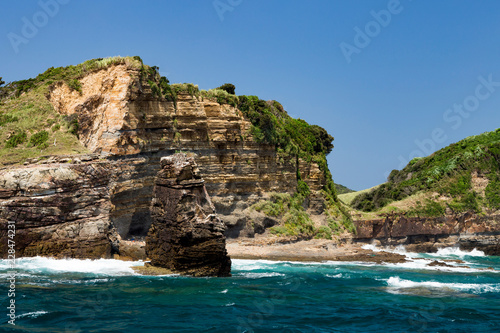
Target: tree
228,87
2,82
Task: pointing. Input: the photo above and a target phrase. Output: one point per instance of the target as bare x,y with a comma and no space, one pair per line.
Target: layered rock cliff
59,209
467,231
77,207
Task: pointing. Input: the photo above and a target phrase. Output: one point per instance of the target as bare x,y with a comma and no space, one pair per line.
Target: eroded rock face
119,117
84,208
59,210
467,231
186,235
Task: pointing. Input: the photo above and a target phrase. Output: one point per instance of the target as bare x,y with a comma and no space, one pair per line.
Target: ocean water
262,296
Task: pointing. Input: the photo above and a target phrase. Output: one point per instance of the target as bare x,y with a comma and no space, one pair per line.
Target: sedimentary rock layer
58,209
121,118
467,231
81,207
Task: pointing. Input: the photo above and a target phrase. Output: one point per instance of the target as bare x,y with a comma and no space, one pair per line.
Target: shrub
221,96
154,89
189,88
7,118
39,139
73,125
428,209
230,88
324,232
16,140
75,85
303,189
492,194
447,171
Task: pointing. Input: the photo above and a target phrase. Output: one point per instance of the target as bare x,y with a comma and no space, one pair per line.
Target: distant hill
341,189
464,176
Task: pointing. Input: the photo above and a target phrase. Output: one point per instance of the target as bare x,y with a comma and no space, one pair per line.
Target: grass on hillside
347,198
45,131
341,189
30,126
448,172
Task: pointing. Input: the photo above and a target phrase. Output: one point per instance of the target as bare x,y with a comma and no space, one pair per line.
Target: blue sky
384,102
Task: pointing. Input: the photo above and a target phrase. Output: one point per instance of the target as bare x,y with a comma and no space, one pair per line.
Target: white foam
31,314
396,282
442,252
252,275
99,266
336,276
455,251
250,265
423,264
400,249
372,247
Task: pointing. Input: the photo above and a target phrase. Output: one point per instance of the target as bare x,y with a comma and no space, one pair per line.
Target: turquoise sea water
262,296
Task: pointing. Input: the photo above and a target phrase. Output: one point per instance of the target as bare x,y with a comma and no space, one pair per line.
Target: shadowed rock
186,235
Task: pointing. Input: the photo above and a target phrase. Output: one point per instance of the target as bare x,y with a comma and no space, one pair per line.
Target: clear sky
390,80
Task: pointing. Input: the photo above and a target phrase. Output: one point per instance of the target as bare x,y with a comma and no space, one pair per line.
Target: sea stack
186,235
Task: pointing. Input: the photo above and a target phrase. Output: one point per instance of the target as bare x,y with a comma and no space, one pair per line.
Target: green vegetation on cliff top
464,176
30,126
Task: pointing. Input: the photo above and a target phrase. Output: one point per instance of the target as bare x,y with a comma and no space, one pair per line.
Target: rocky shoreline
311,250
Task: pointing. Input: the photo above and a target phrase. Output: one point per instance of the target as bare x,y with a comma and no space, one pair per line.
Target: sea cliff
89,205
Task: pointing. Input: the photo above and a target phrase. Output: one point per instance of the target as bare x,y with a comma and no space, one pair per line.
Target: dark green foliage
323,232
460,186
492,193
290,209
75,85
467,203
221,96
154,89
7,118
428,209
303,189
166,90
447,172
341,189
73,125
16,140
23,86
3,91
230,88
274,126
39,139
188,88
